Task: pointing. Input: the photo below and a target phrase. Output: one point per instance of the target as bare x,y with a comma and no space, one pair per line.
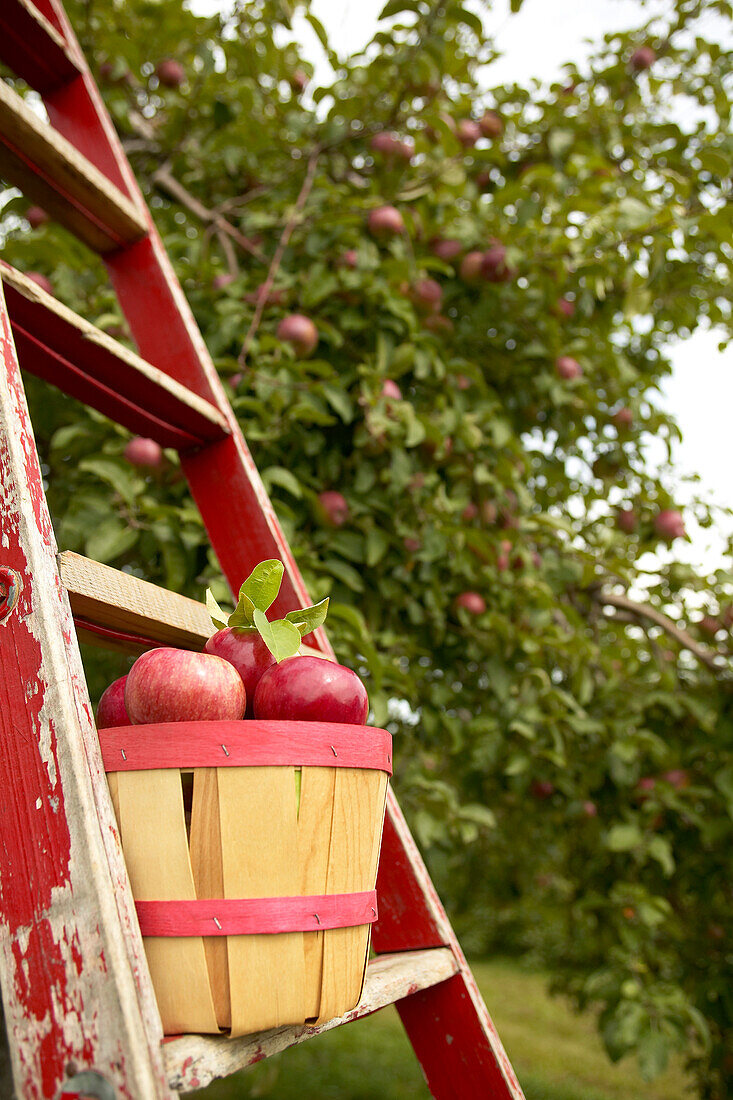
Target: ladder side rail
167,337
74,978
33,47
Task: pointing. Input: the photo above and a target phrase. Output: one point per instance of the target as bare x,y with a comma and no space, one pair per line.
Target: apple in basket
176,685
310,689
281,684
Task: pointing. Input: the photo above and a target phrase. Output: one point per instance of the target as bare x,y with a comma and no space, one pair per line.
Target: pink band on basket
252,916
251,743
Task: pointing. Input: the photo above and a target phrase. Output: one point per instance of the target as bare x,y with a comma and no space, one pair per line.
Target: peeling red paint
45,966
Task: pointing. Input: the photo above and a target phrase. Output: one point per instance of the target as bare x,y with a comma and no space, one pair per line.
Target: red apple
567,367
170,73
111,710
490,124
247,652
438,322
299,332
468,132
311,689
176,685
628,912
411,544
669,525
645,786
677,778
463,382
542,789
626,520
427,295
35,216
642,58
472,602
445,248
564,307
334,508
385,221
471,267
590,809
391,146
494,267
391,390
350,258
145,453
623,418
40,280
298,81
469,512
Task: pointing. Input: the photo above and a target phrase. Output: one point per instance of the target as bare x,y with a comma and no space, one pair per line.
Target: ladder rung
33,48
193,1061
57,345
47,168
119,602
118,611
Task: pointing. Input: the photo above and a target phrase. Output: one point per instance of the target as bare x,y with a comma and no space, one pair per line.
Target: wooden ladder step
193,1061
51,171
116,610
128,613
32,47
55,344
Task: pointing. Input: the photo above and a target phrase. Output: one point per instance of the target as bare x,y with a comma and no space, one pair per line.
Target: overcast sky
535,43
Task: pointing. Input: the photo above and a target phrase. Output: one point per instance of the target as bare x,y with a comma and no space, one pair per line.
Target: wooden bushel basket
289,868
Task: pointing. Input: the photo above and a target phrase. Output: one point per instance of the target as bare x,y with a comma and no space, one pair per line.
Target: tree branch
264,291
644,611
166,181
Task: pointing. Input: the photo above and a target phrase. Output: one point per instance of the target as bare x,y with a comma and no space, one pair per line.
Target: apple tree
443,311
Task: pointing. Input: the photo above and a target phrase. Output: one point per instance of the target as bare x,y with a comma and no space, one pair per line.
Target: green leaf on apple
261,587
219,617
281,637
309,618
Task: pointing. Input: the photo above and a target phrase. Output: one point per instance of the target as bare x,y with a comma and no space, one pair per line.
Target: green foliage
490,474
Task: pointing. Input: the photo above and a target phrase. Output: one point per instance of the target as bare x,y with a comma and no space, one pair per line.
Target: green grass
556,1054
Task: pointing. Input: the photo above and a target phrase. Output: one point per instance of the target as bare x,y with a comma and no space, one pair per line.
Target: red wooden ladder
79,1008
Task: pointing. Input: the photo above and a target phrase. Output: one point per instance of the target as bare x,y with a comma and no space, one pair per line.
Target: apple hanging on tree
385,221
144,453
300,333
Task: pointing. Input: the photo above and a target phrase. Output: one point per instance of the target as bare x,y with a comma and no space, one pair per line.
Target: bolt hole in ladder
79,1008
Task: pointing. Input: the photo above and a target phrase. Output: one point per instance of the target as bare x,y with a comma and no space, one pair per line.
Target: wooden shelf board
116,610
56,344
50,170
193,1061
